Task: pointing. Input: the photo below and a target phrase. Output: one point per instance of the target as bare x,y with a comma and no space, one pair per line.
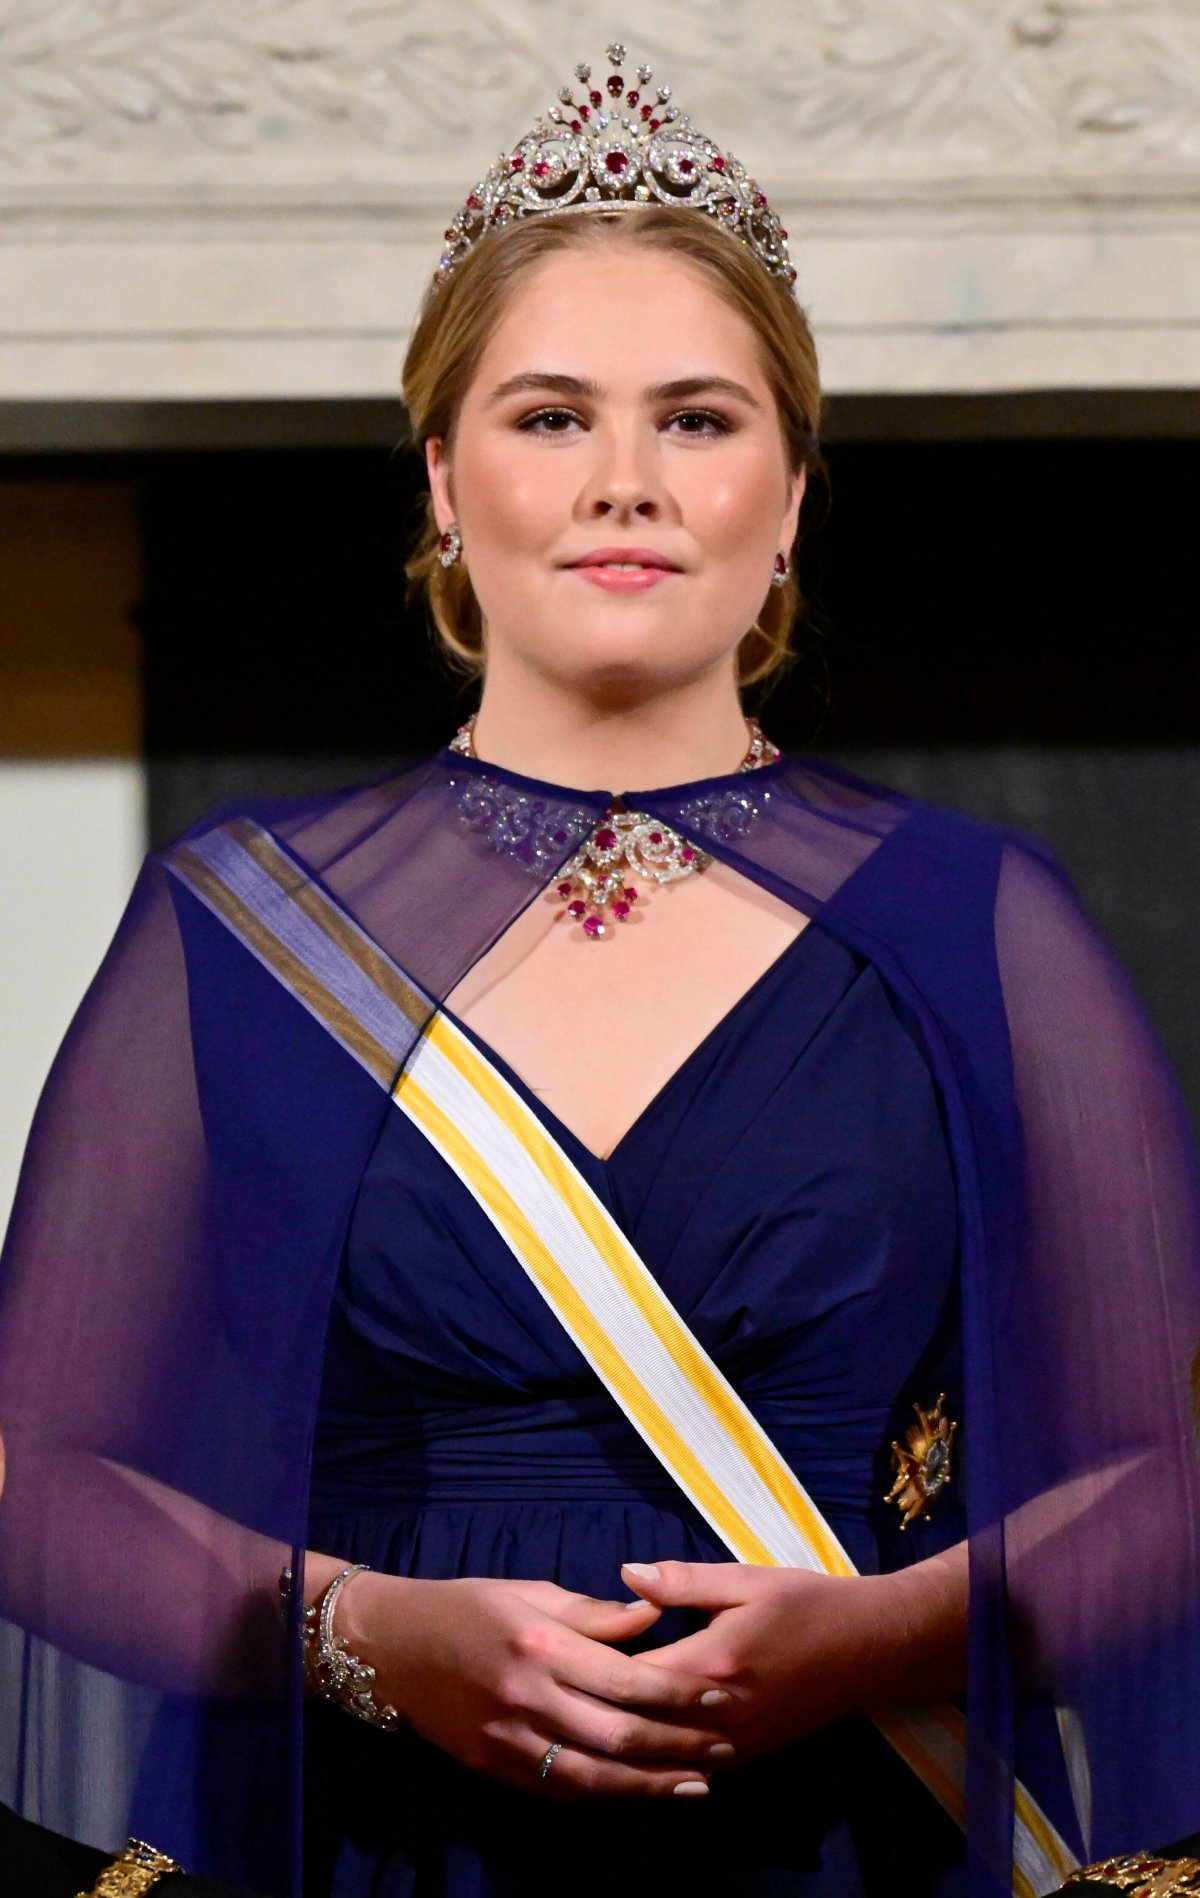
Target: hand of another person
495,1671
797,1650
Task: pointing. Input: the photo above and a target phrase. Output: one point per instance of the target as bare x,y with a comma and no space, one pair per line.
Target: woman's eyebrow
701,385
582,385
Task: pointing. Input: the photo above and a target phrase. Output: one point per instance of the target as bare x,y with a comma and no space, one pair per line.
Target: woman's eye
716,423
528,422
702,423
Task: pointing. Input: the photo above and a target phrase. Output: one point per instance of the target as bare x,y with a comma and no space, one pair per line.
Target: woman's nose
625,502
623,478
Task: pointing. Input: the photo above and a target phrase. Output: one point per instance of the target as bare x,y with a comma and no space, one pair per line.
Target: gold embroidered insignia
1142,1875
924,1467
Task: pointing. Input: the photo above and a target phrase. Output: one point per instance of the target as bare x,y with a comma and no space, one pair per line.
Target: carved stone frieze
245,198
352,97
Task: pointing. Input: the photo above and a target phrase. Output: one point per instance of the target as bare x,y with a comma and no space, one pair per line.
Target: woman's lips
612,580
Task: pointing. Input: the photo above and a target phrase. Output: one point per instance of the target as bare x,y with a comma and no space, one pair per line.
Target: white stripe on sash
674,1395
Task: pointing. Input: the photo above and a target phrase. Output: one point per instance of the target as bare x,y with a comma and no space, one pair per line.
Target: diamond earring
450,545
779,577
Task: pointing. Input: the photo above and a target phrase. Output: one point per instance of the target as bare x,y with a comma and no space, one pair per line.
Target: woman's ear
791,521
438,470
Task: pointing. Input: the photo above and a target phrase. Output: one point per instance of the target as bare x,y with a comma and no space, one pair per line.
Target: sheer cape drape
185,1196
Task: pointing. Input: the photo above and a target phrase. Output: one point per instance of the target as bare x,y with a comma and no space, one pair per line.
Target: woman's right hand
495,1671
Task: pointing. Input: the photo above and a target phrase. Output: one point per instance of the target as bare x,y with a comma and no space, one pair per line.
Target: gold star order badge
923,1467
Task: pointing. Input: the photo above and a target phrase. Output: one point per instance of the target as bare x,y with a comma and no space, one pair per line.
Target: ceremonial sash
576,1255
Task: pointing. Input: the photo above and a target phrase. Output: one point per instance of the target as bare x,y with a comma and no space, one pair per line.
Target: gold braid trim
1142,1875
135,1870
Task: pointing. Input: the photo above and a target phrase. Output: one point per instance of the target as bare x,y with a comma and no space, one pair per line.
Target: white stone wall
245,198
71,840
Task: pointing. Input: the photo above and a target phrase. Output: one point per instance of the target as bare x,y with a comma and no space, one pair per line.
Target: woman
787,1197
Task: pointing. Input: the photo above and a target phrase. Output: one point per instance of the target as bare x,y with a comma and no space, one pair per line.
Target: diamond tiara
617,149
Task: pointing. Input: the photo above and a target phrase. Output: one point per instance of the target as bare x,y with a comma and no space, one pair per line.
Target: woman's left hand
798,1650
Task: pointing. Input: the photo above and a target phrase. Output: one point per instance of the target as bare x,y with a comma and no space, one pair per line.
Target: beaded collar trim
617,149
593,883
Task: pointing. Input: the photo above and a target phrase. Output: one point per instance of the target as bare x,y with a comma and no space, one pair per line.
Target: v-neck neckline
565,1135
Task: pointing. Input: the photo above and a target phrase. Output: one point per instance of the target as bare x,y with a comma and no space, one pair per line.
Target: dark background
966,593
1004,624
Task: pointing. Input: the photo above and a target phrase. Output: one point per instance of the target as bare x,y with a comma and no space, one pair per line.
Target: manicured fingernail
641,1568
721,1750
692,1786
639,1604
715,1697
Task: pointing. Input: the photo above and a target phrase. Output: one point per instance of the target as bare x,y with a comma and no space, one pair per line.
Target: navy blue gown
791,1189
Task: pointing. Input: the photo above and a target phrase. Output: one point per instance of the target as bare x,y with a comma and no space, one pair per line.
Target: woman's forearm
136,1578
912,1646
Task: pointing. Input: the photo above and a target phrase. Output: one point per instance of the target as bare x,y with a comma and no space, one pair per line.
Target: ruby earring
779,577
450,545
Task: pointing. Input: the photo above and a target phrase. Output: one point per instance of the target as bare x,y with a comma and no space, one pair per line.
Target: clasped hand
495,1671
794,1650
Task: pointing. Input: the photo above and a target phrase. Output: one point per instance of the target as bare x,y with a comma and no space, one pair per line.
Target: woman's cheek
730,508
525,508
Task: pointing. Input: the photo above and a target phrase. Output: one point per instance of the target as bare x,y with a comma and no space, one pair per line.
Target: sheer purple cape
184,1202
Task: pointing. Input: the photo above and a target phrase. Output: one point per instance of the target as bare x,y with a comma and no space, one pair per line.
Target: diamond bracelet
332,1671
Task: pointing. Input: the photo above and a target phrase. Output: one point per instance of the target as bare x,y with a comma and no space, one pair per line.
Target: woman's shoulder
950,833
302,817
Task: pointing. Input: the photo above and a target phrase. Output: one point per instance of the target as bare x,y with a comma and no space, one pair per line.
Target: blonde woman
681,1257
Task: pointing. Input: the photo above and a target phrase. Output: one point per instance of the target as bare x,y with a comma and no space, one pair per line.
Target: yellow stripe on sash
1033,1820
925,1763
632,1395
932,1741
912,1747
636,1282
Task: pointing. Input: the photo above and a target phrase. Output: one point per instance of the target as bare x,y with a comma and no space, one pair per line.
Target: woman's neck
547,731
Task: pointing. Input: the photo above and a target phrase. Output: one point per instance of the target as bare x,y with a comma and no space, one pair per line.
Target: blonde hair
452,331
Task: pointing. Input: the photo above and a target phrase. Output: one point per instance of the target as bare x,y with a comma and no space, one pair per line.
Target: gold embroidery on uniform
135,1870
1143,1875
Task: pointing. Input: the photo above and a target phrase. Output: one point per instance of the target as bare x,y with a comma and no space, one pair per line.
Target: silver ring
548,1762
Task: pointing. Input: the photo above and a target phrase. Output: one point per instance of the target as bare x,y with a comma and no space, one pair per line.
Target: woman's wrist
319,1571
914,1646
368,1602
349,1634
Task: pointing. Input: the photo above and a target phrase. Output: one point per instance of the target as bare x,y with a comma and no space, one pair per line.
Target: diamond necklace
592,884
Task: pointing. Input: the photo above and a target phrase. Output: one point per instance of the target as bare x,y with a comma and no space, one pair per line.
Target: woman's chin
634,647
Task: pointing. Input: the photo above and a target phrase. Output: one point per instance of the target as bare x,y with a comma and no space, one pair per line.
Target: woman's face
619,407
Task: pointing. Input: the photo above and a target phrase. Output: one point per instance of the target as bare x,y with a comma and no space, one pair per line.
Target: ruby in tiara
617,148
